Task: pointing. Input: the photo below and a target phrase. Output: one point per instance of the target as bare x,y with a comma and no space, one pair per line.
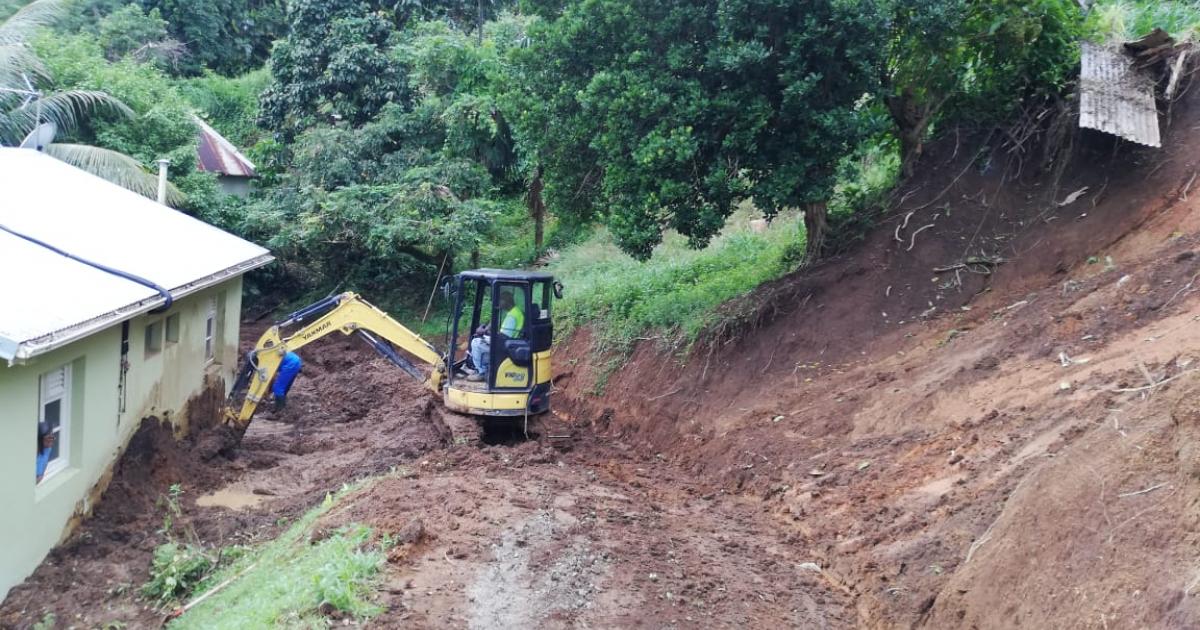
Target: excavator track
455,428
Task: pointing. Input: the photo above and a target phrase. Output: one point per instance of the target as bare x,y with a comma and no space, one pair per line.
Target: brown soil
875,444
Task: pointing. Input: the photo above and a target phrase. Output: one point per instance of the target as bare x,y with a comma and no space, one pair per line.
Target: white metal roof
47,300
1117,98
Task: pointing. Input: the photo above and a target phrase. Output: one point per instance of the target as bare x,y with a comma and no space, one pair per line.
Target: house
217,155
92,351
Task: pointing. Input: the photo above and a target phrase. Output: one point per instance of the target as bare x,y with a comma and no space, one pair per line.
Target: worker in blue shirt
289,368
45,448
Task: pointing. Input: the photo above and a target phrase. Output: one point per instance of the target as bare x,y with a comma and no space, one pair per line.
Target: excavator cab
500,328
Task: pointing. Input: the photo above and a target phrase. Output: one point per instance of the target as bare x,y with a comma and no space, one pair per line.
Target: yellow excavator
515,384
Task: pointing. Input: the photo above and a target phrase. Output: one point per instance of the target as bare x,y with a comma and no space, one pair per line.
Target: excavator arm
346,313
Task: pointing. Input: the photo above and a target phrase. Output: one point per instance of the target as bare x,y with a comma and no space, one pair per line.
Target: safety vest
514,323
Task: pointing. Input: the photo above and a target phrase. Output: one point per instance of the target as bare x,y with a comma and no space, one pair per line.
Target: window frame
210,330
152,338
63,431
171,328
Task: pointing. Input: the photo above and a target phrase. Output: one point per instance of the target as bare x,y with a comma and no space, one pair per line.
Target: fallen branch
1185,288
903,225
178,612
670,393
1186,188
1134,494
913,241
1146,373
1159,383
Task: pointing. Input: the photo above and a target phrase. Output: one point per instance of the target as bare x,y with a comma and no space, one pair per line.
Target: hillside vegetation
391,137
395,141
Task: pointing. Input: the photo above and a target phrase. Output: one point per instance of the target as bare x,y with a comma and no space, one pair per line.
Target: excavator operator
512,327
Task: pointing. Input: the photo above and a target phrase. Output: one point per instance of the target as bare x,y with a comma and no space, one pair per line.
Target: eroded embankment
943,418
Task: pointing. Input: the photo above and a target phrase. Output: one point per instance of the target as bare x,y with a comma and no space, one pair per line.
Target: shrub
176,569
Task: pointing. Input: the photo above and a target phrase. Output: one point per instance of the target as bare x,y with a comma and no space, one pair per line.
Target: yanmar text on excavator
506,313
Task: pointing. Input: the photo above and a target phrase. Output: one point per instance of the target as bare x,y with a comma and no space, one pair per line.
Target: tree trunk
816,226
475,258
479,21
912,120
537,209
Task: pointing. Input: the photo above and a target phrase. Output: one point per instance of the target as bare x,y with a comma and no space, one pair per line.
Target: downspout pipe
162,180
166,295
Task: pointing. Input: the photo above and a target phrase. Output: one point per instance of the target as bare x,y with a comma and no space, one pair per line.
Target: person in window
45,448
513,324
289,369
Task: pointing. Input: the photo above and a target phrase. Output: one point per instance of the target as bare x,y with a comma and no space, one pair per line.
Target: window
54,408
511,306
172,331
154,336
210,330
541,300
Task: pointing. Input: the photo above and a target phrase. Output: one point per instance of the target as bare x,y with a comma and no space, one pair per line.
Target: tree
132,31
337,62
667,114
23,105
976,59
225,36
373,207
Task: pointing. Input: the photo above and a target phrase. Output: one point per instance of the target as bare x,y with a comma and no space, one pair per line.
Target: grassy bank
294,580
1120,20
672,296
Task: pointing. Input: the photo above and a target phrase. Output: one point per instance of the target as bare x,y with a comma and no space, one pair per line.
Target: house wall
236,186
37,516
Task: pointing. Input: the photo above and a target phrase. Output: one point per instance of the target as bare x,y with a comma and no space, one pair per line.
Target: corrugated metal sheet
47,300
217,155
1116,98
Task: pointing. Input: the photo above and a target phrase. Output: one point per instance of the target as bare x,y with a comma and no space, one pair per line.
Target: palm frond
114,166
67,108
17,60
22,24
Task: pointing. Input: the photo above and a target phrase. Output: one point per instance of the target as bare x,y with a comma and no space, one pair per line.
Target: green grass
673,296
285,582
1121,20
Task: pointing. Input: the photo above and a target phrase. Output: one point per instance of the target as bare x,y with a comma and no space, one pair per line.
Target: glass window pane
511,310
541,300
53,414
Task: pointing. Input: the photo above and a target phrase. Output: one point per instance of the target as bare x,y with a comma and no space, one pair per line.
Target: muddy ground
902,437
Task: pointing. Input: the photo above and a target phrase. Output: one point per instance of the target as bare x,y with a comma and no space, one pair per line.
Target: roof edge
17,353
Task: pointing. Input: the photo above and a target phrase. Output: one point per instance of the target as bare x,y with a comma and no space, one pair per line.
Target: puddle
230,498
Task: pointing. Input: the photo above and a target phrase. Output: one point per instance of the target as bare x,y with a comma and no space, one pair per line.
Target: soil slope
961,443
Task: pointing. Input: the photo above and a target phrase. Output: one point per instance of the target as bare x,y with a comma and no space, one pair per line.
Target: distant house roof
218,155
1117,98
49,299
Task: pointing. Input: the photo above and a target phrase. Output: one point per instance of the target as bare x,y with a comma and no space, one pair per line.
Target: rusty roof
1117,98
218,155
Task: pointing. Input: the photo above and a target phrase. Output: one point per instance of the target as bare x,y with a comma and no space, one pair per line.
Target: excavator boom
346,313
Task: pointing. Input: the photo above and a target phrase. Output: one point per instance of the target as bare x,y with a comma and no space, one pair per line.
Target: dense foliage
397,140
667,114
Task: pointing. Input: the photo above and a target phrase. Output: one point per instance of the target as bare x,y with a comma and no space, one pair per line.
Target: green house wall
37,516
